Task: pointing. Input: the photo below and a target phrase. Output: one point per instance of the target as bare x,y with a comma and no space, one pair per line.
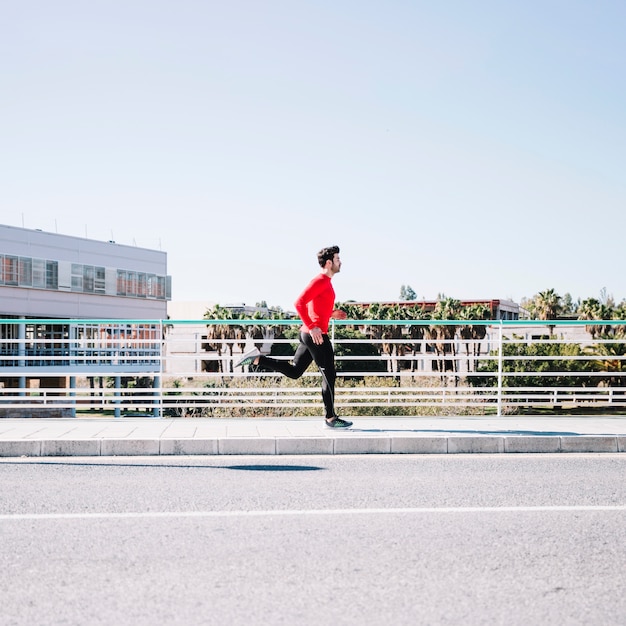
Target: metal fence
187,368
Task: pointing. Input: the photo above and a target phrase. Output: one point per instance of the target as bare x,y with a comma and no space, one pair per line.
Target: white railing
186,368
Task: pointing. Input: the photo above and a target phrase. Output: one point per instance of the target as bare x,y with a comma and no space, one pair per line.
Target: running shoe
337,422
248,358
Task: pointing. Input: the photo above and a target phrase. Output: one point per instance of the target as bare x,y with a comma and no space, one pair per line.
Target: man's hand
317,336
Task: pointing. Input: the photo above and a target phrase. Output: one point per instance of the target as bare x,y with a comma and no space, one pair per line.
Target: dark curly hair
327,254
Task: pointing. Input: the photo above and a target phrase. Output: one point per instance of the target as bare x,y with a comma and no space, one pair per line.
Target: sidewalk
369,435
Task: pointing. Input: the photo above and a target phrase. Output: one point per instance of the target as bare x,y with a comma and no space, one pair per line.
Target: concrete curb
343,444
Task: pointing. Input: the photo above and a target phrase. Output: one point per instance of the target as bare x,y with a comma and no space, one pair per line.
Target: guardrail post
158,409
500,367
73,394
118,396
21,352
158,401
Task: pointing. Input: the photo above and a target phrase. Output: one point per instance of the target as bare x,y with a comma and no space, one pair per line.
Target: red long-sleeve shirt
316,303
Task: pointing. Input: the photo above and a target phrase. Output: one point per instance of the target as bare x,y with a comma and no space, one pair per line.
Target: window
142,285
39,273
159,287
52,275
89,274
156,286
77,277
10,269
139,285
26,272
131,283
43,274
121,283
88,278
99,285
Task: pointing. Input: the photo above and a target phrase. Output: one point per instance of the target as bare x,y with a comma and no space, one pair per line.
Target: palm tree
379,332
592,309
392,335
443,335
415,331
215,332
220,335
384,335
473,334
547,306
619,313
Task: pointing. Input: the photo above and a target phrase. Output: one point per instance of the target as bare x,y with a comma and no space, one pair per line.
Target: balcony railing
405,367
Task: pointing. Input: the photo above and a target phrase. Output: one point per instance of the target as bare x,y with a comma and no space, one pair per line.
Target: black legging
306,353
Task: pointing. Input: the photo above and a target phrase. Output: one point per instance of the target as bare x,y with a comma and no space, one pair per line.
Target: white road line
305,512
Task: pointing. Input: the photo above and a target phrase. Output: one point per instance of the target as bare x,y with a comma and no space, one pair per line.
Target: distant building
47,276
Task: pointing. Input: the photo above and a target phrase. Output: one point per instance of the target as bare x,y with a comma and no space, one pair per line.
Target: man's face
336,264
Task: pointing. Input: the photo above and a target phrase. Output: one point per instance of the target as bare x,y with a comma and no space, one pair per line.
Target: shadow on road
161,463
272,468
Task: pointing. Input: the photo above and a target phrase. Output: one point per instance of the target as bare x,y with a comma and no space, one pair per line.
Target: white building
54,289
47,275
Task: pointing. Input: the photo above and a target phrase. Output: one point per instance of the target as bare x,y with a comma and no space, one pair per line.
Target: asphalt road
471,539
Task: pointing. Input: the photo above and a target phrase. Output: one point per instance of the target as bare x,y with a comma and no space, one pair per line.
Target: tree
220,335
567,305
407,293
546,305
392,344
384,335
543,365
593,310
610,360
473,334
442,336
607,298
415,331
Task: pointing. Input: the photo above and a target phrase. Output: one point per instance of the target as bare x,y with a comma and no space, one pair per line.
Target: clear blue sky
475,149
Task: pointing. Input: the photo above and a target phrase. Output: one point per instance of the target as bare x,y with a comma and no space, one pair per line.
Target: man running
315,305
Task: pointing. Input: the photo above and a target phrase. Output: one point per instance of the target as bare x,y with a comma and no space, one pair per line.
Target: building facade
47,275
54,289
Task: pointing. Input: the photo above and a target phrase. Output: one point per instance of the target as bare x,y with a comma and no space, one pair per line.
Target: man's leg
301,360
324,358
